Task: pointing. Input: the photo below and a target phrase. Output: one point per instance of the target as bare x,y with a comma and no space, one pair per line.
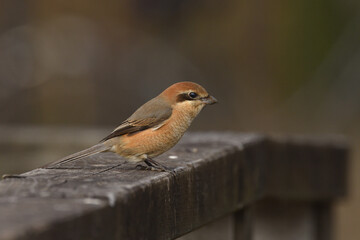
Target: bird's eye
193,95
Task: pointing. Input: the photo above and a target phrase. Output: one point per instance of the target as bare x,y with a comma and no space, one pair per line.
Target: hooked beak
209,100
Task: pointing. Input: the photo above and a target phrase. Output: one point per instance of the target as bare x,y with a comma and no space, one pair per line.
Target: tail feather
98,148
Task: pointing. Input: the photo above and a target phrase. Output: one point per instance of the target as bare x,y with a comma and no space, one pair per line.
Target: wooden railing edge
216,174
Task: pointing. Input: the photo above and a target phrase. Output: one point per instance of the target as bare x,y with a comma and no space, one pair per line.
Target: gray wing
151,114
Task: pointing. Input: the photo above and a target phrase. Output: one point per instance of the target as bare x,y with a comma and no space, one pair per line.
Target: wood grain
215,174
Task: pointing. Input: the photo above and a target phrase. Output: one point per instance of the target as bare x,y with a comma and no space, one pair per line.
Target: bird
153,128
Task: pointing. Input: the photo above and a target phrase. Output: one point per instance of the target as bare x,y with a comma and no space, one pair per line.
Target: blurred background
278,67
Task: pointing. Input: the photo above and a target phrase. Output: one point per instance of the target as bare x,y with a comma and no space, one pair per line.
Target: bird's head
188,96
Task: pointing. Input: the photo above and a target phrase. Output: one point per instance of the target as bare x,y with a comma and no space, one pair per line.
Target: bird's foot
147,168
155,168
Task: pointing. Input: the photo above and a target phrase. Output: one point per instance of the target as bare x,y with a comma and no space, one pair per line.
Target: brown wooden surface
216,174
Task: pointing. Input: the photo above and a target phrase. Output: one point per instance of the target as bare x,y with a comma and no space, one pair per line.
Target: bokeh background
278,67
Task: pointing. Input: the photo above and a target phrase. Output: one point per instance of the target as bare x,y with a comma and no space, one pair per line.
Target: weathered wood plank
216,174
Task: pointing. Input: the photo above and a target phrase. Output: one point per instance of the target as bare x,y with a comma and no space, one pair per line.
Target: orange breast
151,143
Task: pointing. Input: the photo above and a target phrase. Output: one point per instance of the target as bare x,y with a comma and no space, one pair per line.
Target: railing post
283,220
243,220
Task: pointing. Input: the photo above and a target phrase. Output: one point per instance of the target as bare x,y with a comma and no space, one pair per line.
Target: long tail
98,148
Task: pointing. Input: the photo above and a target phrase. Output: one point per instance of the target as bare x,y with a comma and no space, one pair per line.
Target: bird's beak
209,100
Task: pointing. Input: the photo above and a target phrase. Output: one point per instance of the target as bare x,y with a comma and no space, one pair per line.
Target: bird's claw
151,168
141,167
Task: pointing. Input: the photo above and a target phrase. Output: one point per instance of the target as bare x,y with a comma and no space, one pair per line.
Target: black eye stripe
184,97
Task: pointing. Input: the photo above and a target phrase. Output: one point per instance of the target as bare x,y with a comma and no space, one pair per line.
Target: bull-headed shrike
153,128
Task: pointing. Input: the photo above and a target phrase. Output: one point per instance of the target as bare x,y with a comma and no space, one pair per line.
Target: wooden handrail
216,174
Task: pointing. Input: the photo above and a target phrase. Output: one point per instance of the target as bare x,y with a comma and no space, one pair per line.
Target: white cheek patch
191,108
187,105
